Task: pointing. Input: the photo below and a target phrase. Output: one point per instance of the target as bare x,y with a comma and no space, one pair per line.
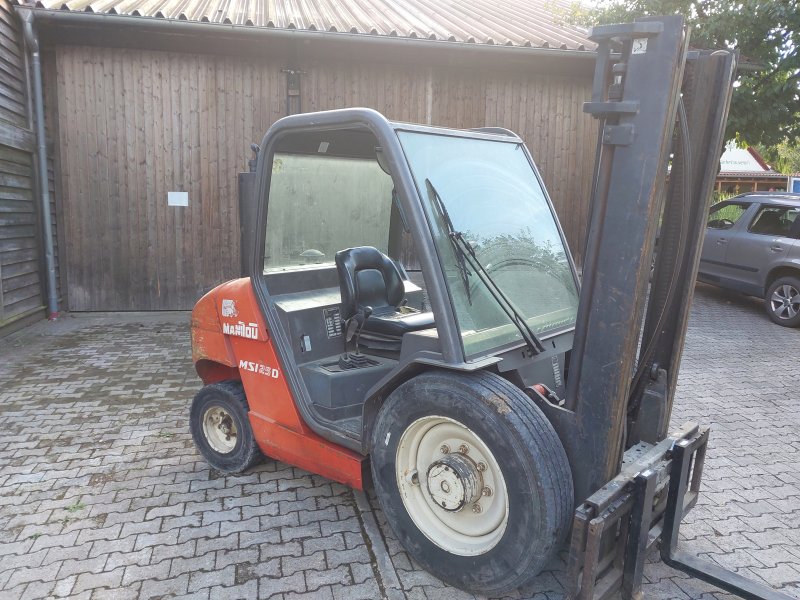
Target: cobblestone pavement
102,494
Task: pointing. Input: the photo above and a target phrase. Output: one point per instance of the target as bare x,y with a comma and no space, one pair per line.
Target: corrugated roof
753,174
526,23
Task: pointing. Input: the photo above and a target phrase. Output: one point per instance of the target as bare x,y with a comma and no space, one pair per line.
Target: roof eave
166,25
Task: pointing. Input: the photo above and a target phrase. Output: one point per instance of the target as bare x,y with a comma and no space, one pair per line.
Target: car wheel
783,301
472,479
221,428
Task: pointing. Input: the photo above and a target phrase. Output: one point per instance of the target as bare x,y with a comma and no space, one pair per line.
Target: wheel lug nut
481,466
487,491
476,508
445,449
463,448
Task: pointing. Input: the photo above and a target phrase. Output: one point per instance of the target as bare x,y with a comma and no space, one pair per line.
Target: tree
766,100
783,157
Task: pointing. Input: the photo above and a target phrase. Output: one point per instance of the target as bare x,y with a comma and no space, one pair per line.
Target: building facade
161,102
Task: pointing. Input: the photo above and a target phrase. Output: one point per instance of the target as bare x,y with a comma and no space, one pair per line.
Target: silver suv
752,245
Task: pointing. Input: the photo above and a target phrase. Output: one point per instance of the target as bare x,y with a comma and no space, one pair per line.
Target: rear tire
221,428
435,428
782,301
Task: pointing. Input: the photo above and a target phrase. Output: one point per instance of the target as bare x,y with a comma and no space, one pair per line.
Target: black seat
367,277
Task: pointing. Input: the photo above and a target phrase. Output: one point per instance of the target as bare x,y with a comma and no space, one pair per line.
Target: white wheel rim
478,525
219,429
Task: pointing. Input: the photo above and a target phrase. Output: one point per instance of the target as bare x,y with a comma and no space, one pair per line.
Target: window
725,214
493,198
319,205
774,220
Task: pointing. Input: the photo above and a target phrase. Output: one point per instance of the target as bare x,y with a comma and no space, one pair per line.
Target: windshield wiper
459,253
466,254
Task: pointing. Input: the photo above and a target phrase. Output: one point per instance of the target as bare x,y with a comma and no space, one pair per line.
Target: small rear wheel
221,428
472,478
782,301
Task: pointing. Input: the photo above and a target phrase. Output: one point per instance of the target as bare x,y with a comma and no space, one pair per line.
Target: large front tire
472,478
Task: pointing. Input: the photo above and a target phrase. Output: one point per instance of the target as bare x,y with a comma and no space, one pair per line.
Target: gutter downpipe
32,41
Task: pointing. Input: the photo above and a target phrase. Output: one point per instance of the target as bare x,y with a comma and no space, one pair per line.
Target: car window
774,220
725,214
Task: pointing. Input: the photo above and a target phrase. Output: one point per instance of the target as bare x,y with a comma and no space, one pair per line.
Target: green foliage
766,101
720,196
783,157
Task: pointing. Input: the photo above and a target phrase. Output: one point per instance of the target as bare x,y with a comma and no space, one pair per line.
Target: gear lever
355,326
367,313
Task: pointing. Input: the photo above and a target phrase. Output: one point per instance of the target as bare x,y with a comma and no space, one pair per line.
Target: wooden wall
21,259
136,124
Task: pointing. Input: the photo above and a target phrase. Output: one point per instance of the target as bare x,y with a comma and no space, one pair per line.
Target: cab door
765,242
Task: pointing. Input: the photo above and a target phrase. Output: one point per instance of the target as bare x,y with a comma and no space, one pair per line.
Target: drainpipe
32,41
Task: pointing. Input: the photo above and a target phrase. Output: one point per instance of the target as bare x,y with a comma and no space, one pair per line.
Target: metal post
706,94
247,213
637,100
32,42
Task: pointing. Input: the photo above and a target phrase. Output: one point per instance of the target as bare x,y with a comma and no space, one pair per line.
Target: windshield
494,200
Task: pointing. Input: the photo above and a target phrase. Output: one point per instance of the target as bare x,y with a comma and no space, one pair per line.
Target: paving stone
270,586
362,591
88,565
245,591
232,557
166,587
325,577
195,563
323,593
292,564
91,581
217,577
117,593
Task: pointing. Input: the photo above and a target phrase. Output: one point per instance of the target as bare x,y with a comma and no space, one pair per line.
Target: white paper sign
177,198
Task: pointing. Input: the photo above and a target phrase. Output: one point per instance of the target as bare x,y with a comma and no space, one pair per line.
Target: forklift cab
385,248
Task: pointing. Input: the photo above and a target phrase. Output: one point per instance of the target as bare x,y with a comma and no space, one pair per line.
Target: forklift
501,405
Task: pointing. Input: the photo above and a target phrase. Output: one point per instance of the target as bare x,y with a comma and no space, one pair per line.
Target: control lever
367,313
355,326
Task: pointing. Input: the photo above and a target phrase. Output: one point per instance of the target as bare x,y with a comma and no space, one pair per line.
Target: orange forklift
498,402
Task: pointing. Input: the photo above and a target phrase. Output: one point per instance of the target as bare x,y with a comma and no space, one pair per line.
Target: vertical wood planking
136,124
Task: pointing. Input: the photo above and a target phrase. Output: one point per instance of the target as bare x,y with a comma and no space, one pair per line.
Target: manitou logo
255,367
240,329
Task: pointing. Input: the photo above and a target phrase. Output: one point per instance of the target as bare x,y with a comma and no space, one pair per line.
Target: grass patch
75,507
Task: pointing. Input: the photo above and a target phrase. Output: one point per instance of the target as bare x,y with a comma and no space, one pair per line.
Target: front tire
221,428
782,301
472,478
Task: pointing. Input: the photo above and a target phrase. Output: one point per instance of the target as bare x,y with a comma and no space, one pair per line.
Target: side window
774,220
725,215
319,205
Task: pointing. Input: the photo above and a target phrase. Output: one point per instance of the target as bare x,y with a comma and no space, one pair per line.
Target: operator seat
367,277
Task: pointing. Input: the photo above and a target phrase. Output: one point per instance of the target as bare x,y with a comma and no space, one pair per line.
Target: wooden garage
170,102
